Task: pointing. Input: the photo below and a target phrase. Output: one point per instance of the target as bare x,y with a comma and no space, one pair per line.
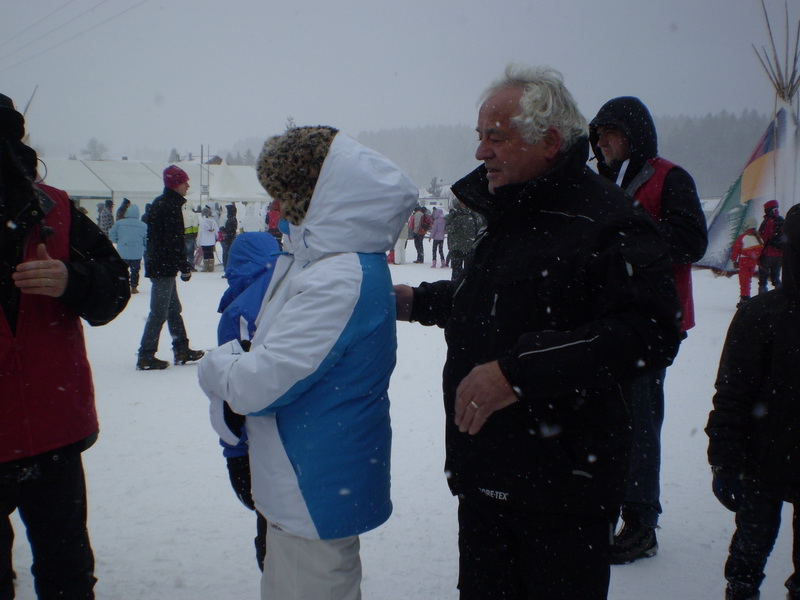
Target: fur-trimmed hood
359,204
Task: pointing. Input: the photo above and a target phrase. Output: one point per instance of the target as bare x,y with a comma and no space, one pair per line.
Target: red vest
46,391
649,196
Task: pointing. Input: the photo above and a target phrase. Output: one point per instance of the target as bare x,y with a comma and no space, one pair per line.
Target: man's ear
552,143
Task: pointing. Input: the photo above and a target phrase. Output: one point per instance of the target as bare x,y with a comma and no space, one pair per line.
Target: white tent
127,179
91,182
80,183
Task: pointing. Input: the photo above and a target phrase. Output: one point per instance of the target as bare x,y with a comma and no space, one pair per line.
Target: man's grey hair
545,103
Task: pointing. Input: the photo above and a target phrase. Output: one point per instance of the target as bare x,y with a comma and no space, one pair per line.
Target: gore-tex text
494,494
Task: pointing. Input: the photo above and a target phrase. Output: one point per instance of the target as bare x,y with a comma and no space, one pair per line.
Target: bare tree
94,150
435,188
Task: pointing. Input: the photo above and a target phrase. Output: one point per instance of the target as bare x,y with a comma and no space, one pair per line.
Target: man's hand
404,297
44,276
483,391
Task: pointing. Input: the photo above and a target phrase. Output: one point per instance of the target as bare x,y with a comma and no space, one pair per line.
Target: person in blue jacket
251,259
130,236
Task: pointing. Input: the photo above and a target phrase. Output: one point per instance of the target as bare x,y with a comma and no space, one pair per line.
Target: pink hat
770,204
174,177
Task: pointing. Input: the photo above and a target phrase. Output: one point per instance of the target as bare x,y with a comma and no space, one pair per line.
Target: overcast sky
158,74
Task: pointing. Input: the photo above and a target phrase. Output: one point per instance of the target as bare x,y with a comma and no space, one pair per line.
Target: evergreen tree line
713,148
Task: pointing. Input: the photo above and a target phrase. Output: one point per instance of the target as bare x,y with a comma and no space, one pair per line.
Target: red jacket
649,196
747,246
46,391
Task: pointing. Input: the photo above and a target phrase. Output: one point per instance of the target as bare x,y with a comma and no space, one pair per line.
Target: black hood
790,237
231,210
629,115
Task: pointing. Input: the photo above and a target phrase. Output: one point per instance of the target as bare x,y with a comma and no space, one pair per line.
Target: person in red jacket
745,254
56,267
623,137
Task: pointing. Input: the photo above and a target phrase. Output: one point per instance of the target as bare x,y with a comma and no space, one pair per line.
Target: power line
53,47
29,27
44,35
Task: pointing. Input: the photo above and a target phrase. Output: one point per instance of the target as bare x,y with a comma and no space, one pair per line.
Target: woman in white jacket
207,231
314,384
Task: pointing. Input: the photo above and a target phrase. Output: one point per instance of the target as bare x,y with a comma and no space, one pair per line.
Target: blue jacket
130,235
251,260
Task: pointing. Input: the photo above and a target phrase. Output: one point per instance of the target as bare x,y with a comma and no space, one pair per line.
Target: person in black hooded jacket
754,446
623,137
567,295
229,231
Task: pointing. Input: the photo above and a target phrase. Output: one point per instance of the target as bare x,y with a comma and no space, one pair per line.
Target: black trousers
517,555
757,523
418,239
50,495
769,268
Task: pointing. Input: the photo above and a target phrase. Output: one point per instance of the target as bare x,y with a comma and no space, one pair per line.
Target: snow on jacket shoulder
315,382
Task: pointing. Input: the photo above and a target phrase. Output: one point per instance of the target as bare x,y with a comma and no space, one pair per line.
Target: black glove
234,421
728,489
239,473
186,276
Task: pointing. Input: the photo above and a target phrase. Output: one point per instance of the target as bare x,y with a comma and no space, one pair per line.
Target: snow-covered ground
165,524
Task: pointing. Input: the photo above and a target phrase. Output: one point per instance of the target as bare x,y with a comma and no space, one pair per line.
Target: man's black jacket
570,288
166,249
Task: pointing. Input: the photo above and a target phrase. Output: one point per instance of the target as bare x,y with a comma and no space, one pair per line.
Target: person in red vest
745,254
769,265
623,137
56,268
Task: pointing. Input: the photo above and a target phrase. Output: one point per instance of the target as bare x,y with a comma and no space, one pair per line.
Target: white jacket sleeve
295,345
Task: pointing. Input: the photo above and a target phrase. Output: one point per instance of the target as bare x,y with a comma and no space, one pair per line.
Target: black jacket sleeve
433,303
97,288
682,223
742,369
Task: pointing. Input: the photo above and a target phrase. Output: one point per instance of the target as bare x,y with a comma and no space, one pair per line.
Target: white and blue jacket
315,382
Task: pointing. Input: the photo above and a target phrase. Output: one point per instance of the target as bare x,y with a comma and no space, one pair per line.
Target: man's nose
483,151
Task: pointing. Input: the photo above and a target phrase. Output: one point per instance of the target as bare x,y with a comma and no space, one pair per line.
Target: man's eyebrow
489,130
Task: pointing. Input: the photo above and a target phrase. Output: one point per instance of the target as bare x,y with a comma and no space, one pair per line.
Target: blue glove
728,490
186,276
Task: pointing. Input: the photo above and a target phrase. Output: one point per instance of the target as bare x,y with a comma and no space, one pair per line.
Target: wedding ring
473,405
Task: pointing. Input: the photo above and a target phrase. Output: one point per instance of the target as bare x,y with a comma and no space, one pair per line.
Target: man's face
613,144
183,189
506,156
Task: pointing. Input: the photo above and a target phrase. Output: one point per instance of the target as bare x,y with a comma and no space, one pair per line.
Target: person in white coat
314,383
207,232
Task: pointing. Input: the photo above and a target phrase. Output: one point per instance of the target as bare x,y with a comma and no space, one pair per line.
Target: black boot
634,541
150,363
738,592
742,301
185,355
